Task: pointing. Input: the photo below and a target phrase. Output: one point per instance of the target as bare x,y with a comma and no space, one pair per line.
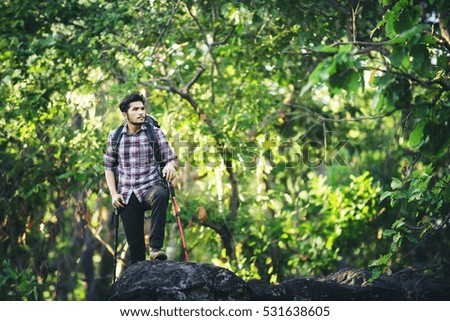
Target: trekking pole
116,238
177,215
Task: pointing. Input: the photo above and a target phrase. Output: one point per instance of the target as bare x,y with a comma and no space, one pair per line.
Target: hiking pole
116,238
177,215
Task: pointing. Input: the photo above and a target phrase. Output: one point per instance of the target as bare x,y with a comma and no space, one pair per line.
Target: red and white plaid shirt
137,168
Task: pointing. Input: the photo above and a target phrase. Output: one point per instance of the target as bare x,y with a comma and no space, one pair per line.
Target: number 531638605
296,311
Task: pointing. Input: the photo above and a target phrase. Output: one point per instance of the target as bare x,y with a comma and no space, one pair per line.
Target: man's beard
137,123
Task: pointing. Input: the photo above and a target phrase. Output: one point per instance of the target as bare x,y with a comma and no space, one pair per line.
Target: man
139,182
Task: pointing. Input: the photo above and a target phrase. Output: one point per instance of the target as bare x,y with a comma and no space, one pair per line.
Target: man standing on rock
136,179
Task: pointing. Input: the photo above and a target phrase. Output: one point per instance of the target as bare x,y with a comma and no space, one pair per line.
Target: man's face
136,113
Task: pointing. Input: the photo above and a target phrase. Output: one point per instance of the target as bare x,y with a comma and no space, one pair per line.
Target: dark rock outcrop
173,281
170,281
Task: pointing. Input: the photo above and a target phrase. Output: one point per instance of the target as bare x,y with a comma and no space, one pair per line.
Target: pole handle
171,190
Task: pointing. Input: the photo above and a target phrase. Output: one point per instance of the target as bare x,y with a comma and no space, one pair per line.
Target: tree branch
188,86
225,234
416,79
155,85
310,51
227,37
323,119
234,199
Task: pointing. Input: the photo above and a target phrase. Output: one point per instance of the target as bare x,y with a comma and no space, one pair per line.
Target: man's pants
132,214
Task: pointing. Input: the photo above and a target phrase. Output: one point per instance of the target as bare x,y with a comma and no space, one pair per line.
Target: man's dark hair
125,103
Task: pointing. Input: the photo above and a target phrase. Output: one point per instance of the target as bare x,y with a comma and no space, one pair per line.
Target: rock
173,281
415,286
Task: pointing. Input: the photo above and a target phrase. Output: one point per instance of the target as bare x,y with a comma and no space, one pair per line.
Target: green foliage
305,237
17,284
424,202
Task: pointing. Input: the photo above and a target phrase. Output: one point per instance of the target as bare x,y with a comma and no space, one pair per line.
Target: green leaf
415,197
326,49
346,49
429,169
408,35
390,17
320,74
396,183
416,136
376,273
382,260
397,55
412,239
389,233
385,194
3,280
420,59
404,22
442,62
398,223
348,79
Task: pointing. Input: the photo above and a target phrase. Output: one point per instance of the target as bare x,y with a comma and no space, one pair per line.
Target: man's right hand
118,201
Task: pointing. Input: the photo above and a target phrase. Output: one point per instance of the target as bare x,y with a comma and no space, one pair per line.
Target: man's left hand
169,171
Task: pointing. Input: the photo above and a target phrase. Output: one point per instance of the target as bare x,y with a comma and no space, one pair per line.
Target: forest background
312,135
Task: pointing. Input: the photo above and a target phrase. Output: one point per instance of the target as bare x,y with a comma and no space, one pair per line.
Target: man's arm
110,162
117,199
111,181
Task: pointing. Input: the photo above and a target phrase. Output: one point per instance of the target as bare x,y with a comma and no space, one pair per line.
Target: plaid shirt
137,168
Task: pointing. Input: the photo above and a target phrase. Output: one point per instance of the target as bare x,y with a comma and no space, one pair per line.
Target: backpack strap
116,139
115,148
150,124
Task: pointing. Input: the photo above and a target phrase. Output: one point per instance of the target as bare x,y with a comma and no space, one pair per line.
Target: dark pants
132,214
